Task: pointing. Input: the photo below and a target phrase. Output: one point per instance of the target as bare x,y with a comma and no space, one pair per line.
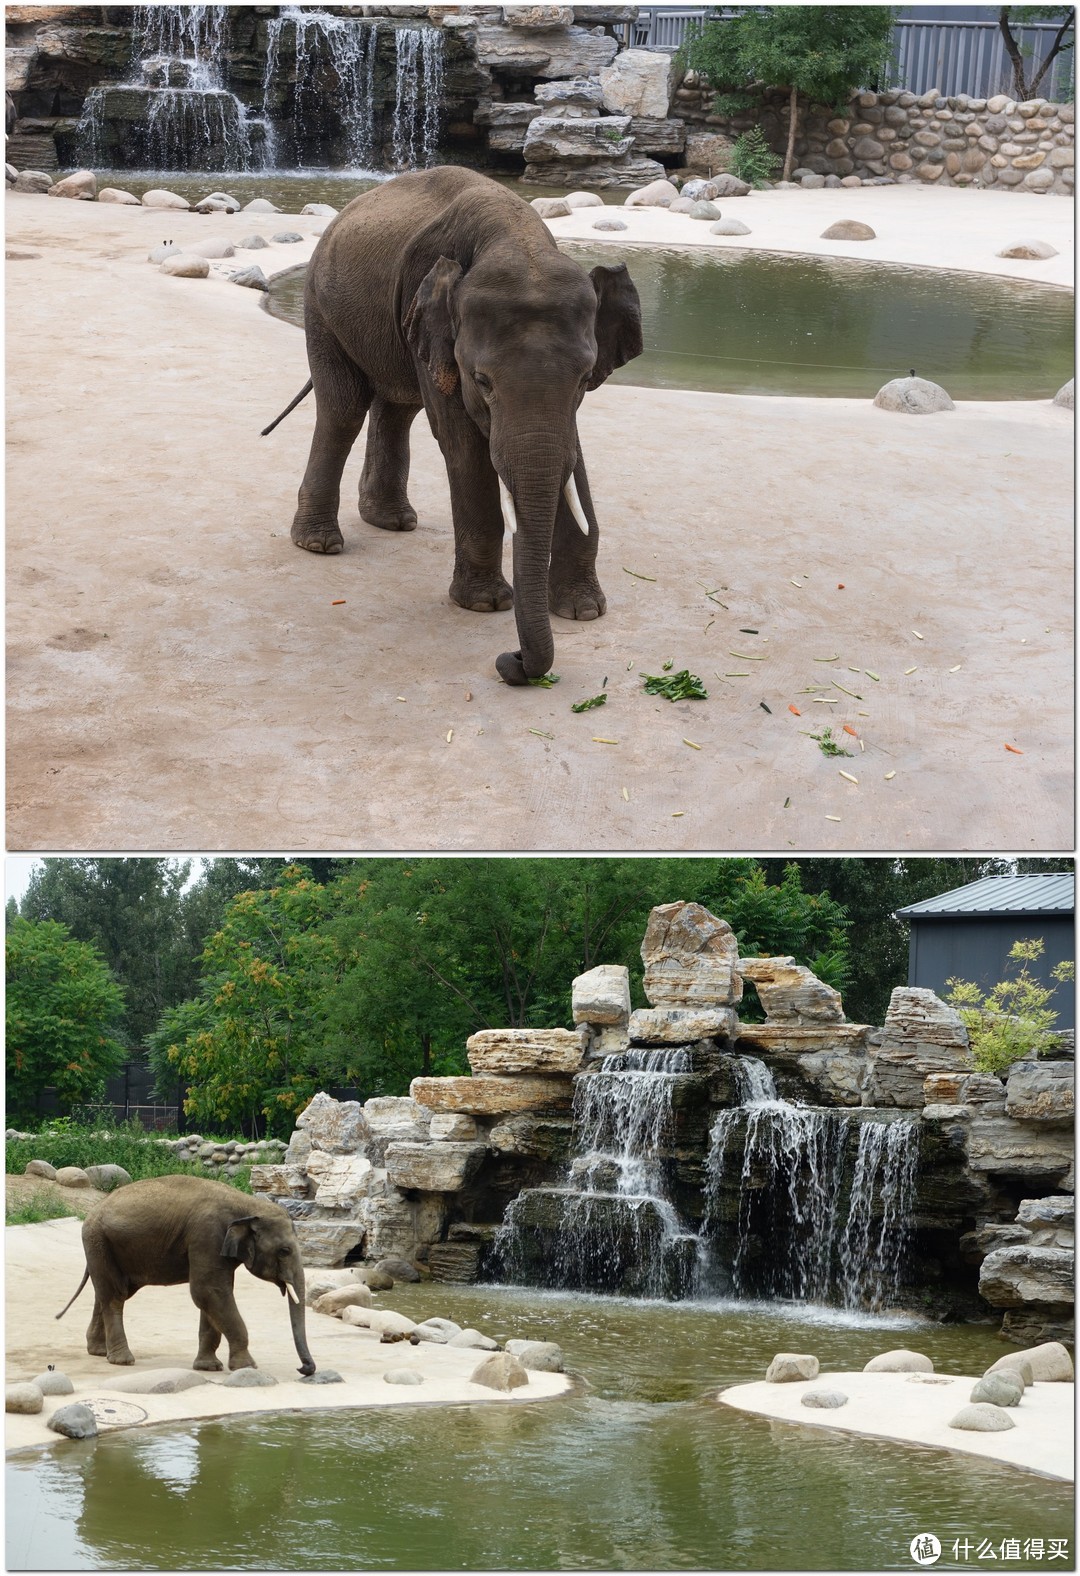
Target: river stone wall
898,136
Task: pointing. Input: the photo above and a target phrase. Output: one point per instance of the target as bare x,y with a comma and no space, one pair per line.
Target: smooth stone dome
609,224
826,1400
1063,397
849,230
1029,250
982,1418
74,1422
729,227
159,197
787,1367
186,265
402,1376
899,1361
249,1379
913,397
999,1389
53,1382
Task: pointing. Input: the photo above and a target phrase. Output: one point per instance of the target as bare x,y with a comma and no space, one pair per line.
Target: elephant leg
95,1333
116,1347
573,589
383,498
209,1341
342,397
478,583
217,1307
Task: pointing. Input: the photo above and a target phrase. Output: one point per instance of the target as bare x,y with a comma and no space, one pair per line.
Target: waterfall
333,66
612,1226
419,96
801,1232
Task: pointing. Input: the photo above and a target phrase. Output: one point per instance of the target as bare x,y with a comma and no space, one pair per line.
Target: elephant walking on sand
171,1229
444,290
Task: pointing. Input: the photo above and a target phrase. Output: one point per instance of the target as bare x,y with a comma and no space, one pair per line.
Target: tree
823,52
63,1009
1014,1018
1027,73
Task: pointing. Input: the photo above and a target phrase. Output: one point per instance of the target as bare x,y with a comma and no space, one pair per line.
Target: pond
641,1471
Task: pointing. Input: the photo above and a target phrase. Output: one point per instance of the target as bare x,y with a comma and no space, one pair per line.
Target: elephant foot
121,1358
582,599
388,517
481,593
97,1349
317,538
210,1365
241,1360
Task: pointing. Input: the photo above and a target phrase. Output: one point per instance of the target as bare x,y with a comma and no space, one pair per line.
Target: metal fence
954,57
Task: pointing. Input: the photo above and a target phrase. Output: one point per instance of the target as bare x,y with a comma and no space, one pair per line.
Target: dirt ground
80,1200
182,677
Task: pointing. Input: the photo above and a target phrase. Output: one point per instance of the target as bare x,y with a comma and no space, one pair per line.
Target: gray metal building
967,933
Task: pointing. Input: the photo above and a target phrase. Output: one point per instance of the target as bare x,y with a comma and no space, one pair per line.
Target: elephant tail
303,394
82,1283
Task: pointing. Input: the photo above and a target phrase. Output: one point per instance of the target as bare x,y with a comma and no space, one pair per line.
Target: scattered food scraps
637,576
832,818
597,740
668,665
840,585
540,734
683,685
468,694
1013,750
625,795
957,668
449,735
675,814
845,691
787,801
794,711
827,744
910,670
915,632
339,603
827,659
591,703
849,778
875,676
889,776
401,697
849,729
734,675
748,631
747,656
692,745
545,681
763,706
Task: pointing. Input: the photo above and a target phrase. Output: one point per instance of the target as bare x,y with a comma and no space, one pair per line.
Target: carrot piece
849,729
1013,750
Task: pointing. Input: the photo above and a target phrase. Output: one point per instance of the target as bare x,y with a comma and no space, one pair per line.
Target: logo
925,1549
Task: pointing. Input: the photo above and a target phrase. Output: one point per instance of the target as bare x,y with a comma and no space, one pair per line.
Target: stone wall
897,136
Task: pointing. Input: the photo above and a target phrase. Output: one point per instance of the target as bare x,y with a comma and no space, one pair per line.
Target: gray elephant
443,289
171,1229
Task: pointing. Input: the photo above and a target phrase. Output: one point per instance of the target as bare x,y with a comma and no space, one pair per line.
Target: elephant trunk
296,1319
535,490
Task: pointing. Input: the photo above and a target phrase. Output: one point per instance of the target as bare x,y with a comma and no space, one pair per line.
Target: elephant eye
482,381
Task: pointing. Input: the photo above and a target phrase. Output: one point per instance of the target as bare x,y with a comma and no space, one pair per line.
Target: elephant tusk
508,512
571,493
287,1291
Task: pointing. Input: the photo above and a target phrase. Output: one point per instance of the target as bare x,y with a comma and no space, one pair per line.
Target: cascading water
419,96
612,1227
799,1231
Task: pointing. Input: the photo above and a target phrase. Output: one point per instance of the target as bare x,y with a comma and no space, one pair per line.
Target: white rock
319,210
602,995
25,1398
185,265
53,1382
690,958
118,195
982,1418
453,1125
82,186
1048,1362
639,82
583,200
1029,250
788,1367
473,1338
158,197
899,1361
382,1320
213,246
402,1376
657,194
682,1025
913,397
500,1371
261,205
526,1050
341,1297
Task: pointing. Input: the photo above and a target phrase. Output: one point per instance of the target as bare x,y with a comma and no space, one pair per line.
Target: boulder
500,1371
690,958
527,1050
473,1339
1048,1362
1064,395
789,1367
537,1356
283,1181
324,1243
377,1280
72,1176
214,205
317,1282
682,1025
73,1422
609,224
453,1125
574,96
262,205
551,207
729,227
229,203
319,210
899,1361
11,174
921,1035
36,181
704,210
340,1180
658,194
586,200
383,1321
333,1303
550,138
82,186
1002,1146
486,1095
1012,1277
251,278
251,243
538,16
249,1379
25,1398
790,993
396,1116
213,246
999,1389
963,1088
982,1418
1015,1366
158,254
53,1382
116,194
399,1269
709,153
185,265
158,197
639,82
1029,250
827,1400
602,995
682,205
433,1168
532,1137
402,1376
1040,1091
546,52
849,230
338,1126
159,1381
323,1376
106,1177
40,1168
287,237
1049,1222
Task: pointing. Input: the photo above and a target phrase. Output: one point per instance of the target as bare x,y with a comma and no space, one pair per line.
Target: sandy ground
80,1200
900,1407
181,676
44,1264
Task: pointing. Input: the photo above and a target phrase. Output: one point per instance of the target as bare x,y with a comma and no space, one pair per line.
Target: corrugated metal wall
976,948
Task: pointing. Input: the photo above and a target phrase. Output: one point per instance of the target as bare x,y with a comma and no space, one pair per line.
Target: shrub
38,1207
752,160
64,1143
1014,1018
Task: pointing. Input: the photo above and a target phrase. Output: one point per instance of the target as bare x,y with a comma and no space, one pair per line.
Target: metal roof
1019,895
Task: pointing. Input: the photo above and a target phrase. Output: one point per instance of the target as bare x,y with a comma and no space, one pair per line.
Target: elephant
165,1230
442,289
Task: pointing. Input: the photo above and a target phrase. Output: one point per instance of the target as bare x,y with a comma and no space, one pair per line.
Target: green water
642,1471
756,323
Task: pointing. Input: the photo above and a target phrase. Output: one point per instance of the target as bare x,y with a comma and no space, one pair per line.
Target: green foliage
683,685
752,160
63,1009
1014,1018
63,1142
823,51
38,1206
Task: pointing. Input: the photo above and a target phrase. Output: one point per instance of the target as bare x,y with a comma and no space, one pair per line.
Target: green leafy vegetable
676,686
827,744
591,704
545,681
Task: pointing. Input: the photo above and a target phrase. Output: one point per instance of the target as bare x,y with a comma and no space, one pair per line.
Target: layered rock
921,1036
690,958
490,1095
790,993
527,1050
1040,1091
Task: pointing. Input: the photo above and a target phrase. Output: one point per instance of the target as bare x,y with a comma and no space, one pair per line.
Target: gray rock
583,200
999,1389
400,1269
473,1338
1050,1221
261,205
402,1376
1016,1366
322,1376
551,138
729,227
982,1418
11,174
790,993
1014,1276
185,265
433,1168
214,205
53,1382
1041,1091
638,82
500,1371
336,1301
681,205
849,230
214,246
657,194
74,1422
287,237
609,224
899,1361
704,210
82,186
40,1168
812,181
681,1025
439,1331
828,1400
117,195
231,203
251,243
319,210
454,1126
249,1379
36,181
1048,1362
72,1176
789,1367
159,197
107,1177
1064,395
729,186
1029,250
26,1398
551,207
699,189
913,397
377,1279
251,278
543,1357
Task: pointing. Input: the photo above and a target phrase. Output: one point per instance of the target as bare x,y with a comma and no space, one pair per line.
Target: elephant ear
618,321
239,1242
429,323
